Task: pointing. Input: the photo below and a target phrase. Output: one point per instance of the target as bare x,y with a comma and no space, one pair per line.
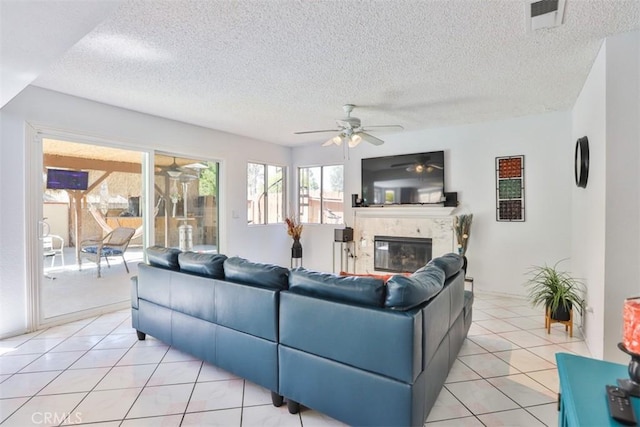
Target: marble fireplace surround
431,222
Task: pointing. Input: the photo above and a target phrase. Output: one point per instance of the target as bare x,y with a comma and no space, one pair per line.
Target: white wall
499,253
588,204
137,131
606,215
622,246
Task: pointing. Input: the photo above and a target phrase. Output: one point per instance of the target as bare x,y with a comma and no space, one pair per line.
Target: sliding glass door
186,203
91,197
94,198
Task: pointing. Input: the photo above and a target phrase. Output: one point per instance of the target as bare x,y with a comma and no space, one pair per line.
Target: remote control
620,406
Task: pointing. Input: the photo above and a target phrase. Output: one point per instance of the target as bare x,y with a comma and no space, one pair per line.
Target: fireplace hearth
401,254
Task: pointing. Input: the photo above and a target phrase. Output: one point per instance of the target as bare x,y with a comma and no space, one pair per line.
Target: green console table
582,400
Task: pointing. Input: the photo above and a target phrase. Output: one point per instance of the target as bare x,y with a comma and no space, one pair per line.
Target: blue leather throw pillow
159,256
253,273
450,263
207,265
404,293
367,291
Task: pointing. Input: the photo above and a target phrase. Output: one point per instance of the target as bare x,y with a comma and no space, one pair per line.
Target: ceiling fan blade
386,126
369,138
316,131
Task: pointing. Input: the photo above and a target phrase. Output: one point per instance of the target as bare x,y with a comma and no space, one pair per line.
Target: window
321,194
265,194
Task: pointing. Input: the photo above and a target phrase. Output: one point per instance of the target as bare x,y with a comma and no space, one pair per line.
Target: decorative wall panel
510,188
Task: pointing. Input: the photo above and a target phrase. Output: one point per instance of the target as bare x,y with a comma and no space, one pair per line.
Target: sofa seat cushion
450,263
159,256
367,291
404,293
207,265
253,273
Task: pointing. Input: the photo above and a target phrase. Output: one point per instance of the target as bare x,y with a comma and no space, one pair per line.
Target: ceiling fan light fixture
337,140
354,140
174,170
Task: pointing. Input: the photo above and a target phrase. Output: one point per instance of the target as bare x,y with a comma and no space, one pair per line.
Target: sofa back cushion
404,293
253,273
159,256
207,265
450,263
367,291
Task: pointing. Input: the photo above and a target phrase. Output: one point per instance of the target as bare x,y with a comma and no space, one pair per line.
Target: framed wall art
510,188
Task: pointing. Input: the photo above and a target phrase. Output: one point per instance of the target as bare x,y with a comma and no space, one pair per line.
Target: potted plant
555,290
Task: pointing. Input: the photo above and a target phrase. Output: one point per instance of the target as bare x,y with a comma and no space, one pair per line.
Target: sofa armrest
383,341
134,292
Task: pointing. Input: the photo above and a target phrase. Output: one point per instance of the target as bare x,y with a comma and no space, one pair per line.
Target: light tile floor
96,371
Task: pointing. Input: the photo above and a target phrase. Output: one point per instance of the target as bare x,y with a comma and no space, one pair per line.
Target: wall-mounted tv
403,179
62,179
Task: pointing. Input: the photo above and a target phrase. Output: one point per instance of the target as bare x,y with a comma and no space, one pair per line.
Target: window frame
321,192
282,201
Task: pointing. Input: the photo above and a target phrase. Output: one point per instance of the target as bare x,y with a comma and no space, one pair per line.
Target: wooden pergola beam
67,162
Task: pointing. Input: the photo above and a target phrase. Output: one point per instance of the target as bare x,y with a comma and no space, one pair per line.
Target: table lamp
631,345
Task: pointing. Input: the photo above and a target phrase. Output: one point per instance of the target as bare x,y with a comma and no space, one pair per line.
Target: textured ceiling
266,69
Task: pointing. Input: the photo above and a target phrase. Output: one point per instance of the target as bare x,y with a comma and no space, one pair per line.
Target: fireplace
401,254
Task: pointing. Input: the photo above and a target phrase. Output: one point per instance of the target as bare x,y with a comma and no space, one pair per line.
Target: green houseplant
555,290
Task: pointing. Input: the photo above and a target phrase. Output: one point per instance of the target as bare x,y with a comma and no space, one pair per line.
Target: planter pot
561,313
296,249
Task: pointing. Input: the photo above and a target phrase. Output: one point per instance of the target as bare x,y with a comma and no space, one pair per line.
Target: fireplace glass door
401,254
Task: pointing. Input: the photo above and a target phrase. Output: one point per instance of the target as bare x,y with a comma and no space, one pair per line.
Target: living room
596,229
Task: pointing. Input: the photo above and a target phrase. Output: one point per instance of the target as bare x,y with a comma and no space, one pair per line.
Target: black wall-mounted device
343,234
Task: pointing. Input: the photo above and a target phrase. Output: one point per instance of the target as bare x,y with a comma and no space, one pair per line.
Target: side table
346,251
583,400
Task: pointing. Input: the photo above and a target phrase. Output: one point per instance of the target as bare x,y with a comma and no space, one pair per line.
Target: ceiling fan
351,131
422,165
175,171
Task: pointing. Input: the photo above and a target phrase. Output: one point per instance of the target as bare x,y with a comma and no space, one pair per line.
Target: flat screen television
403,179
62,179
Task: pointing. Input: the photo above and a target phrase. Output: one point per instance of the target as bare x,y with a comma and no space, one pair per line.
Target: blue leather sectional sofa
358,349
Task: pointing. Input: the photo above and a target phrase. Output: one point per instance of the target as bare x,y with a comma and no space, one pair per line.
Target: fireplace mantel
434,222
404,211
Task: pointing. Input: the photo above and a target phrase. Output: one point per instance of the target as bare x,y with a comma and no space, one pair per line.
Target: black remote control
620,406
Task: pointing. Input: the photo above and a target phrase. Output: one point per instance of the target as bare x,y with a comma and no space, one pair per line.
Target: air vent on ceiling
544,14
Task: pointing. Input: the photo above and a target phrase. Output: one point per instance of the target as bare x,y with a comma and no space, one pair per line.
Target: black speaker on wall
451,199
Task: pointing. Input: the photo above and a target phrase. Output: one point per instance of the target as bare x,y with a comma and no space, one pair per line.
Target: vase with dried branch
294,229
463,231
